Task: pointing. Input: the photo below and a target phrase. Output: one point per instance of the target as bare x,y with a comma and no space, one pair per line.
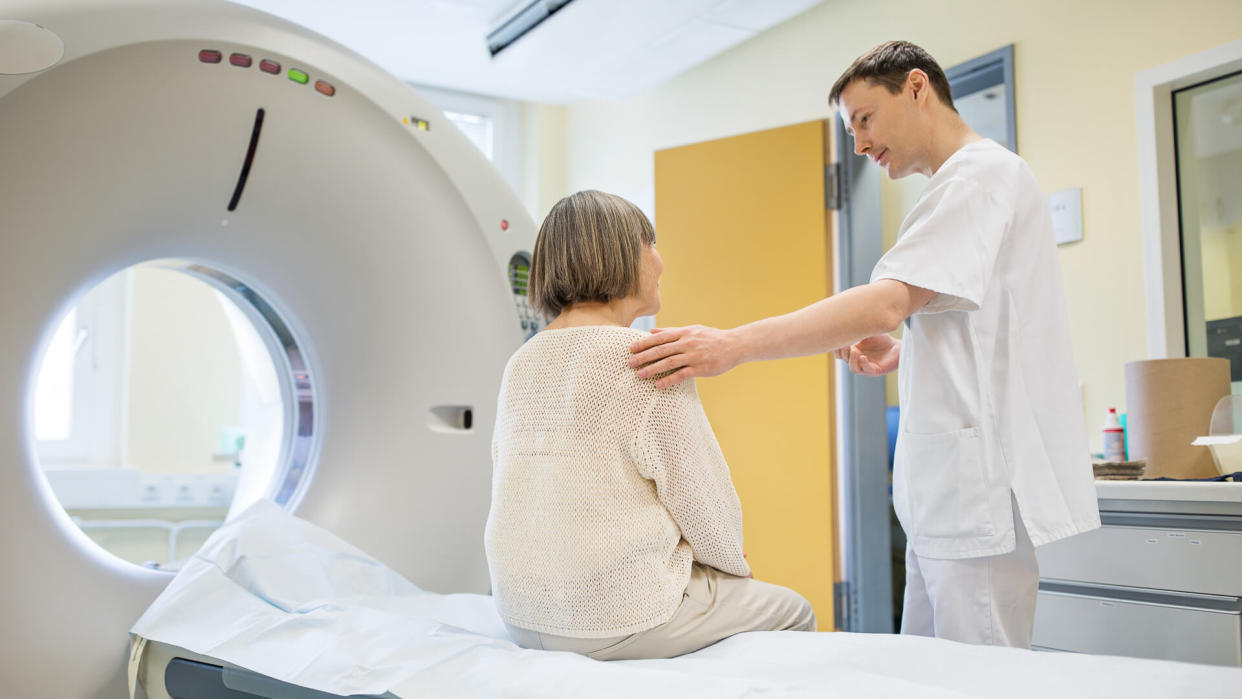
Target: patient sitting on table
615,531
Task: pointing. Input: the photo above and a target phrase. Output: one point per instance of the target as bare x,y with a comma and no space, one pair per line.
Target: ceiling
589,49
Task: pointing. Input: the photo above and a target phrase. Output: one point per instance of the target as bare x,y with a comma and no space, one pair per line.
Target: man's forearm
837,321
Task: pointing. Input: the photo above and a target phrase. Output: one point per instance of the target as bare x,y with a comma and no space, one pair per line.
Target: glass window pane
1208,120
54,388
477,128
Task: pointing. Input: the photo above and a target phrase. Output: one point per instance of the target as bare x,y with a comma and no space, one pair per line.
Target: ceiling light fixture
527,15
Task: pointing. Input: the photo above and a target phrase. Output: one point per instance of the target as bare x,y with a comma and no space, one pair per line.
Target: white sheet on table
277,595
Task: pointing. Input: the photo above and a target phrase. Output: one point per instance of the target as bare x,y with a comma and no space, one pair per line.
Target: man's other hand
874,356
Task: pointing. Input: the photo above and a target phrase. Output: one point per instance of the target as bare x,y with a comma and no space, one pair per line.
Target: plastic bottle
1114,437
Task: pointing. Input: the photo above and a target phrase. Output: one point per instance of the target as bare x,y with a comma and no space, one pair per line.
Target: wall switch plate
1066,209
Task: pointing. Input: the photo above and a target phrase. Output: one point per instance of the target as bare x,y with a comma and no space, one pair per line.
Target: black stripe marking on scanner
245,171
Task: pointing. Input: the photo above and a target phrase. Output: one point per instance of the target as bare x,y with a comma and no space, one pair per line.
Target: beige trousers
987,601
714,606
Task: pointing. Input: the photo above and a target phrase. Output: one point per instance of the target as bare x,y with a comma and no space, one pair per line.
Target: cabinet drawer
1190,560
1086,623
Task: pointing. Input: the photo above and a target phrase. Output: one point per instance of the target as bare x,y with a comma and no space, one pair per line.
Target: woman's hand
874,356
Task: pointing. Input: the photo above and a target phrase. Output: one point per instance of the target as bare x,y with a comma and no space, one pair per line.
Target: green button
298,76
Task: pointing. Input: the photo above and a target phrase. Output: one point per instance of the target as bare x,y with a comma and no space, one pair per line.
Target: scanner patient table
275,606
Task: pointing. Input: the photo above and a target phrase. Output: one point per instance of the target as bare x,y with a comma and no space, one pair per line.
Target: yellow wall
1075,67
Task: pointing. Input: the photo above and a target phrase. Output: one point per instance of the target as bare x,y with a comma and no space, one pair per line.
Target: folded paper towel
1118,470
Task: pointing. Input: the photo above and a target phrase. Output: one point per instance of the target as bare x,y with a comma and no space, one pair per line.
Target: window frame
1162,258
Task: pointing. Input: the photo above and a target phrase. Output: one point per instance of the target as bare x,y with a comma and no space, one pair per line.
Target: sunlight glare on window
54,390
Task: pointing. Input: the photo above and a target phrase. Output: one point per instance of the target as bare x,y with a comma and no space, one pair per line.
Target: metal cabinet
1161,579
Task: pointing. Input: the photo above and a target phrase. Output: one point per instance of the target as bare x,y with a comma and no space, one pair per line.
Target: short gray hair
589,248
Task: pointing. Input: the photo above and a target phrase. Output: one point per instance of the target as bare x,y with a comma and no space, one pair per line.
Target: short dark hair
589,248
888,65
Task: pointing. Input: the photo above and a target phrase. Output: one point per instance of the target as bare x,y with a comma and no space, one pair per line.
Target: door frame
864,600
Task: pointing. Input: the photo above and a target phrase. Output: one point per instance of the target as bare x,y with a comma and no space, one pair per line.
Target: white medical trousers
988,600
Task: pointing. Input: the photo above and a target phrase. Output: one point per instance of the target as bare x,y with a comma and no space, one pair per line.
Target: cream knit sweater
604,490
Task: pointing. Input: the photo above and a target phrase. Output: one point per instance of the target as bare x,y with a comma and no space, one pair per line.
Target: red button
240,60
324,88
269,66
504,225
209,56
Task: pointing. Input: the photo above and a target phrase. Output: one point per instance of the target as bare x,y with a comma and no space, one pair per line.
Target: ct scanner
380,256
369,241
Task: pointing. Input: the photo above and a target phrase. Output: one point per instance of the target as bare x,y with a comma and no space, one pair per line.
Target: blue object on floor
893,416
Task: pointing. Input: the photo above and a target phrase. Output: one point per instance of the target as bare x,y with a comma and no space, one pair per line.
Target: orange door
745,233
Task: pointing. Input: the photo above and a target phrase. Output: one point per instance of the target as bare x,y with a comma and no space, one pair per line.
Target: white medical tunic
989,395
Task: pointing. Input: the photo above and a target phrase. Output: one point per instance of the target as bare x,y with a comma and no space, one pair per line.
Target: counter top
1192,491
1173,497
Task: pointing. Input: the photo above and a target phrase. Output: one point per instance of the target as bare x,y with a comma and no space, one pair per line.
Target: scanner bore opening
171,395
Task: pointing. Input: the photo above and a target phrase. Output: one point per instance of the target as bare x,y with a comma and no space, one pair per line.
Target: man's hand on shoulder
683,353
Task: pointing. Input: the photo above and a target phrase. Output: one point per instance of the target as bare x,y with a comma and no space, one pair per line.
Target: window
477,128
1188,114
1208,136
983,94
490,123
54,395
79,390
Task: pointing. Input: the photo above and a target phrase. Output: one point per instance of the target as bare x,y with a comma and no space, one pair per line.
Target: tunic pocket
946,484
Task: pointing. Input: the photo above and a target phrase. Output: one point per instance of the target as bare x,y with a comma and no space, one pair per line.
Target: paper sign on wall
1066,208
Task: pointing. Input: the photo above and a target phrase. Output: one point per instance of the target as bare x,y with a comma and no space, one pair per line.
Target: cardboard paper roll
1168,404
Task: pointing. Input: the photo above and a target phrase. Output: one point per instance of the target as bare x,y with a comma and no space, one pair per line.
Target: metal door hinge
832,186
841,605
